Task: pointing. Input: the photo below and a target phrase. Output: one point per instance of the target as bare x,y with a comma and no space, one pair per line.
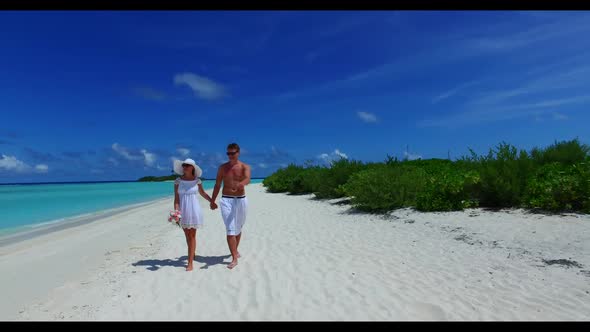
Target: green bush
558,187
337,175
429,165
282,179
383,188
554,178
503,176
566,152
448,189
307,181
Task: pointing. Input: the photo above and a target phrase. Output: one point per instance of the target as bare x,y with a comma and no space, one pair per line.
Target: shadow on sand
156,264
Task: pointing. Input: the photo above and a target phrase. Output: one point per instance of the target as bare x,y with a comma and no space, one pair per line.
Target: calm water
30,205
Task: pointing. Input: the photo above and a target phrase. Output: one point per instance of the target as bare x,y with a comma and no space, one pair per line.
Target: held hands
212,205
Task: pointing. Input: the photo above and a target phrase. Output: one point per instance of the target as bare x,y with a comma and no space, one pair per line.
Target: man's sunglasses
232,153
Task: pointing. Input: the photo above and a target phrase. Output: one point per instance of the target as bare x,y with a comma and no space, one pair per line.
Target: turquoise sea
28,205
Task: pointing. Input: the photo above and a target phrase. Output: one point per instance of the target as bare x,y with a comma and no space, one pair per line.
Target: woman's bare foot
232,264
239,256
189,268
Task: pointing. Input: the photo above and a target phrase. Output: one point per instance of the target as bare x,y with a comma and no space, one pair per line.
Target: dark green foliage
554,178
566,152
448,189
383,188
503,176
556,187
335,176
282,180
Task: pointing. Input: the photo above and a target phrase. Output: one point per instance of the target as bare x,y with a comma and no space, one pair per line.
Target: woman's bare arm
176,198
204,193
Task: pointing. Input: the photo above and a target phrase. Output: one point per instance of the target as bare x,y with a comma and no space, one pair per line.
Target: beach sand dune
306,259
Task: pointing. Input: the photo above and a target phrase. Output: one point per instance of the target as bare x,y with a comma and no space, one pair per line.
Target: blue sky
117,95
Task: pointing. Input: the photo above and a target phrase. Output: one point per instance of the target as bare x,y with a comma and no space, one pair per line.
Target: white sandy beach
305,259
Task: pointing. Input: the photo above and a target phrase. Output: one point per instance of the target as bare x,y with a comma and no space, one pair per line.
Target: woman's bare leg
191,248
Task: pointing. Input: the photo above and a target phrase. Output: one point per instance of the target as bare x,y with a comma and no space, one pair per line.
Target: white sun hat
177,164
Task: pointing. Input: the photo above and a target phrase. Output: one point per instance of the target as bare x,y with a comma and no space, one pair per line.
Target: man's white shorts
233,212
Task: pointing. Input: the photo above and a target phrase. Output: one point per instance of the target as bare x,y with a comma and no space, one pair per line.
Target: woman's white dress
190,209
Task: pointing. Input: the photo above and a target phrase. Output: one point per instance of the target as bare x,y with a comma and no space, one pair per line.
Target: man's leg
241,219
233,249
238,244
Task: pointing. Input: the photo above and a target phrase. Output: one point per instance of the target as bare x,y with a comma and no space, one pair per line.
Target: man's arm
246,176
217,184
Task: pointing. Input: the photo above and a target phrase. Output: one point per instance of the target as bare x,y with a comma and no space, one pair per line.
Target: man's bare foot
232,265
189,268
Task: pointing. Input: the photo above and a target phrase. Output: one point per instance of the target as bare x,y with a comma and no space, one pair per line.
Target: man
235,176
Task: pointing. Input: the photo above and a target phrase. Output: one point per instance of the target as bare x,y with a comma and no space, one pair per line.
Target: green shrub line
555,178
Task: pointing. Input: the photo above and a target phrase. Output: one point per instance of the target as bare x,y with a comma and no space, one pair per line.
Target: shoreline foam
27,232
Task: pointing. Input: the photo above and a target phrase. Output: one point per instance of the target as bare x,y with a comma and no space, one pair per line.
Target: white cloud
559,116
333,156
124,152
489,40
147,157
560,28
544,83
184,152
367,117
498,113
262,165
12,164
340,154
42,168
453,92
203,87
150,158
113,161
410,156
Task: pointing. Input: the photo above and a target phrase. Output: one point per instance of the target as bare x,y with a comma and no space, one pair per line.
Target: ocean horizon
27,206
81,182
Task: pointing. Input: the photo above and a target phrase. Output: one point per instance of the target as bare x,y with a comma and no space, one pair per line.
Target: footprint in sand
428,311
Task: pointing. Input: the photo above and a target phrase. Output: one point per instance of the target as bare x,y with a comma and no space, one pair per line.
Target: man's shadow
211,260
156,264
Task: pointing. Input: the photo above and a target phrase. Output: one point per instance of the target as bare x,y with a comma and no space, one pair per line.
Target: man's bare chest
236,171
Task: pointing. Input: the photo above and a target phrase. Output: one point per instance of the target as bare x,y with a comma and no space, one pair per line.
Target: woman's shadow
156,264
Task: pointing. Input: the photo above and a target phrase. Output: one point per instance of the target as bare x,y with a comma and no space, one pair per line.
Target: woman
186,200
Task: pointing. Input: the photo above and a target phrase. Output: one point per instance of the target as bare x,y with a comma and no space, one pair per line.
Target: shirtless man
235,175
